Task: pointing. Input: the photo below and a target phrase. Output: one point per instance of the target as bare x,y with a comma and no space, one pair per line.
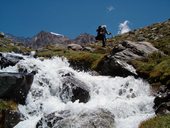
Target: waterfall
128,99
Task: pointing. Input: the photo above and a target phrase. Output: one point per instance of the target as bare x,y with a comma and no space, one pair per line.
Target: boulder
117,63
99,118
75,47
88,49
15,86
73,89
127,50
2,35
9,60
162,101
112,67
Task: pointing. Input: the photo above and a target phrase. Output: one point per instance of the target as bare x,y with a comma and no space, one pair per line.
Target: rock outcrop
116,64
128,50
15,86
99,118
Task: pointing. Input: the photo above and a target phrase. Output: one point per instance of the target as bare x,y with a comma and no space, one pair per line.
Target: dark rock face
162,101
99,118
9,60
110,66
9,118
15,86
116,64
73,89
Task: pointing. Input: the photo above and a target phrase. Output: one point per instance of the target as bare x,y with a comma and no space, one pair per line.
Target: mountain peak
44,38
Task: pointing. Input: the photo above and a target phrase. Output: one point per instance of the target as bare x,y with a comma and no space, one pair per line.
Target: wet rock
15,86
73,89
11,118
99,118
9,60
162,101
110,66
117,63
163,108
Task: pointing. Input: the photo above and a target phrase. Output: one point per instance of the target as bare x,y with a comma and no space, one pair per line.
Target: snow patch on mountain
57,34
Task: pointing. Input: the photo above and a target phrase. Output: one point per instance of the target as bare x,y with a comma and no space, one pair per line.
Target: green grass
4,105
157,122
6,45
89,59
156,67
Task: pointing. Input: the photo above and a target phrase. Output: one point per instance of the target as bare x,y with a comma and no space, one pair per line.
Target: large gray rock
128,50
73,89
99,118
112,67
75,47
117,63
15,86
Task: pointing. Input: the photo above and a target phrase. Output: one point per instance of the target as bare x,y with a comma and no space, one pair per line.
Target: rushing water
128,99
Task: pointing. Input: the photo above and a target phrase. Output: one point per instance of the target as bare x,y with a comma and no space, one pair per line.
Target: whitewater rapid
128,99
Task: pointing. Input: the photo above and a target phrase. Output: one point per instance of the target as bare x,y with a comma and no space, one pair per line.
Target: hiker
101,34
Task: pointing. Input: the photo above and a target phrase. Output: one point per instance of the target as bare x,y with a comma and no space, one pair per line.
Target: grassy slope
6,45
90,59
157,122
156,67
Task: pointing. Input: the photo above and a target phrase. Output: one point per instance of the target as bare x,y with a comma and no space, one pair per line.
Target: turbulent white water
128,99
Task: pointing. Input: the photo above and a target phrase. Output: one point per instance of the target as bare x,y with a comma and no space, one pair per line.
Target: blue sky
73,17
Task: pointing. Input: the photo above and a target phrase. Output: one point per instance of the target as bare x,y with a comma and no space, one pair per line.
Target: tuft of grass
157,122
5,105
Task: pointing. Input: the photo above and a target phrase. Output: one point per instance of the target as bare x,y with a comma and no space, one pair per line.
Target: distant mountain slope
50,38
18,39
84,39
45,38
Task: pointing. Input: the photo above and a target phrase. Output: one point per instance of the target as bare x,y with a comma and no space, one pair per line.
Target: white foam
128,98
